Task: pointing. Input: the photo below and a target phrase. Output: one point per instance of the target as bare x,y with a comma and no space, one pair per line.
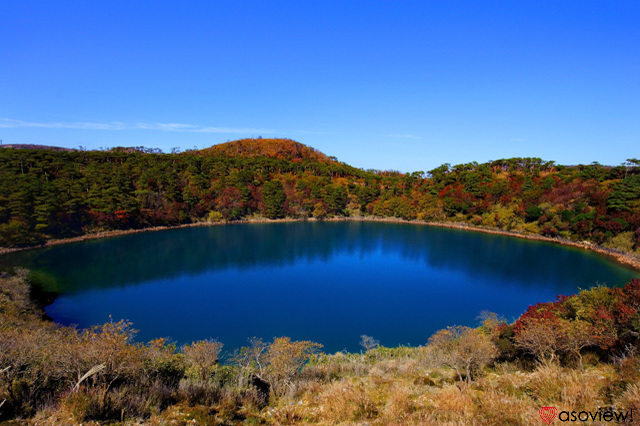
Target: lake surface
326,282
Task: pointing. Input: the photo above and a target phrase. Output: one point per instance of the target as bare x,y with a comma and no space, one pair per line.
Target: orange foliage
283,149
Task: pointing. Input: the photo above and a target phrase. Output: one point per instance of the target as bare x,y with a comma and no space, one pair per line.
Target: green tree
273,197
336,199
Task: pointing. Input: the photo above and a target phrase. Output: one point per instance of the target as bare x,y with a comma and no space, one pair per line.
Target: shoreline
626,259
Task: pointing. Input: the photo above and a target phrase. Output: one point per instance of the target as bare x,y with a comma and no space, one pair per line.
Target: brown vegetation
284,149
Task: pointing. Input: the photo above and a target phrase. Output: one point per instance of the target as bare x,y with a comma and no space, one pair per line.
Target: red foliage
610,323
550,311
122,215
284,149
631,293
567,194
229,203
615,226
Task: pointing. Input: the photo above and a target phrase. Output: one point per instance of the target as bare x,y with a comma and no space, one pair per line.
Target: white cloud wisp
8,123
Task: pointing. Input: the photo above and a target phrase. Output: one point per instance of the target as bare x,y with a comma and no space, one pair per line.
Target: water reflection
328,282
140,258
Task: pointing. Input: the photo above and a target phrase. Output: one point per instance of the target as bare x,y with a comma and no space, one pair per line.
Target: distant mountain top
284,149
32,146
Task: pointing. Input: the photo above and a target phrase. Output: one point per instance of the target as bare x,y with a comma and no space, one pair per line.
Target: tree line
48,194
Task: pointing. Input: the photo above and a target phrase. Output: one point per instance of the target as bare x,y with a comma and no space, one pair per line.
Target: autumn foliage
607,319
48,194
281,149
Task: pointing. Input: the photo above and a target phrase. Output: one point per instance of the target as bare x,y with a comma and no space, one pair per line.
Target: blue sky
403,85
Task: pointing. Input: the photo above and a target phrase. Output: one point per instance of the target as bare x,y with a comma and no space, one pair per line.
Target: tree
283,360
273,197
368,342
229,203
575,336
540,337
202,357
319,210
336,199
276,363
464,349
624,193
533,213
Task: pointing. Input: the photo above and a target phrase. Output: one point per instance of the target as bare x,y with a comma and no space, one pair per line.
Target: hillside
32,146
282,149
46,194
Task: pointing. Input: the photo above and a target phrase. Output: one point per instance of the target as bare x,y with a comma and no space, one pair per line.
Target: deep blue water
325,282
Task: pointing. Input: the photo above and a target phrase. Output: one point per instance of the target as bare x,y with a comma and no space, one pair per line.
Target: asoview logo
548,414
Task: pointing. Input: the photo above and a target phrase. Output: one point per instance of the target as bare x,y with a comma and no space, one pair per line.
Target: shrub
202,358
368,342
284,359
465,349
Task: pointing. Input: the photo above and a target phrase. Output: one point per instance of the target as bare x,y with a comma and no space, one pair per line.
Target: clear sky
403,85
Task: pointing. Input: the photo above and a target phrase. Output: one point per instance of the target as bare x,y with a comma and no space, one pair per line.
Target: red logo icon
548,414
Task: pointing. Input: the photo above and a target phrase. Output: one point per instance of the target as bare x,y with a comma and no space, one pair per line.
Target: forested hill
32,146
284,149
48,194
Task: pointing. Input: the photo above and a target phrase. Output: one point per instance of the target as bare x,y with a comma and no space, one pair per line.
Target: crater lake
329,282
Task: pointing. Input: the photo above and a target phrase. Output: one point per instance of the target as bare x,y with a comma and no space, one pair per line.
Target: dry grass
346,401
630,399
570,389
391,394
